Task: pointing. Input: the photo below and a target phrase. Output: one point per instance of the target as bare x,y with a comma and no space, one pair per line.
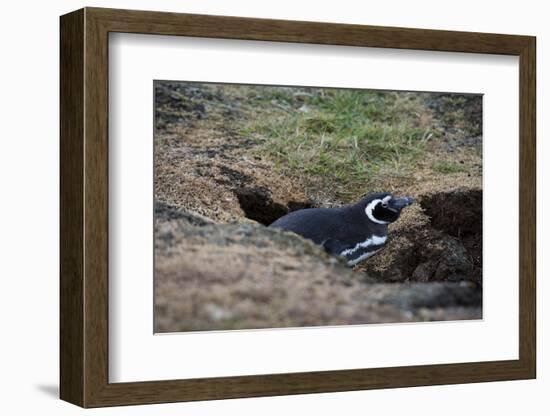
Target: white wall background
29,207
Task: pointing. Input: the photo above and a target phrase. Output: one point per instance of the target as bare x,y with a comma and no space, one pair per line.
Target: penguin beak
400,203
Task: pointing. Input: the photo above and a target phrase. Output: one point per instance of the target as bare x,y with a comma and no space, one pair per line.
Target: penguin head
384,208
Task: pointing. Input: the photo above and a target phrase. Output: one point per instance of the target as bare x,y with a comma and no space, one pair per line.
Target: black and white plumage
355,232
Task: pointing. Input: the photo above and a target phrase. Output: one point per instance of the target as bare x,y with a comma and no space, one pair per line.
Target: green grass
447,167
345,135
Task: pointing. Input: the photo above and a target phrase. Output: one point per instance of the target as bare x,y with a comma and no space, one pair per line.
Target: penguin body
355,232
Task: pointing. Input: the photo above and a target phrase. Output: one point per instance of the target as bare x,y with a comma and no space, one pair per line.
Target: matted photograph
335,208
292,206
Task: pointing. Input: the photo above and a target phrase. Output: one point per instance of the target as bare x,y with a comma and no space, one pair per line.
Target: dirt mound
232,276
460,215
440,240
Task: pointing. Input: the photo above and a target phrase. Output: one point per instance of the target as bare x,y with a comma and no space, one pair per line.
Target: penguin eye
384,204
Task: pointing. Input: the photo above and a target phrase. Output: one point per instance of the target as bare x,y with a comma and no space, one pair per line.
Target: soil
236,276
438,240
218,267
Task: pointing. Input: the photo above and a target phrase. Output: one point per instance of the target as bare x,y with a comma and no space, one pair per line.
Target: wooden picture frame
84,207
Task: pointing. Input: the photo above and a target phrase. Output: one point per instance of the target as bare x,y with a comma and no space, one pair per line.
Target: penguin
355,232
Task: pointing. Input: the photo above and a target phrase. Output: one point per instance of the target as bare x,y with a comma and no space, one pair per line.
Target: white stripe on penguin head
370,207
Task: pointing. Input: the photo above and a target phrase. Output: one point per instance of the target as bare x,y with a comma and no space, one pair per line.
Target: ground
231,159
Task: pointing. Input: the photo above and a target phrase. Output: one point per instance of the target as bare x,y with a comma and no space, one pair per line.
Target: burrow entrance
447,247
258,205
460,215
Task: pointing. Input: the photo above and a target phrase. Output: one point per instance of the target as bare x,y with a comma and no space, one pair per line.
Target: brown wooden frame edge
84,207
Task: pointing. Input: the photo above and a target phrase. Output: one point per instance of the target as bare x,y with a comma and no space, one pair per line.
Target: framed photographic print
255,207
